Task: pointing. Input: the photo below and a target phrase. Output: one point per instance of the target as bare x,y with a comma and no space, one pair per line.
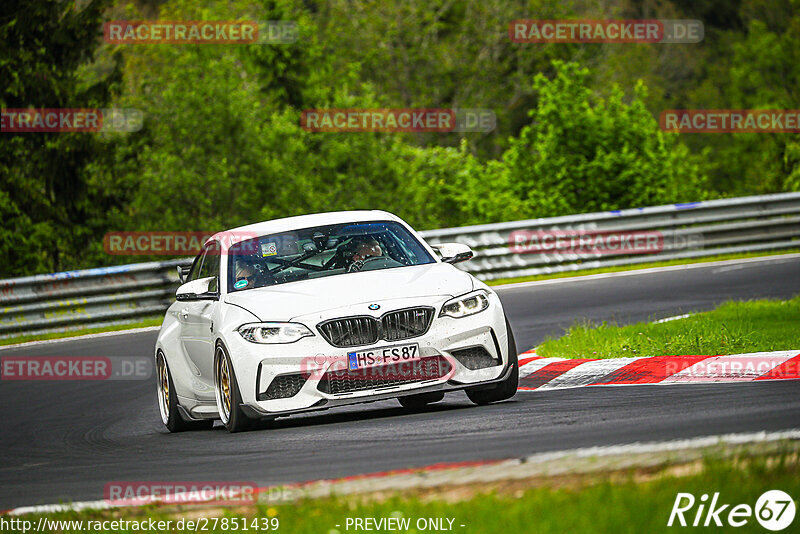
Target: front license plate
382,355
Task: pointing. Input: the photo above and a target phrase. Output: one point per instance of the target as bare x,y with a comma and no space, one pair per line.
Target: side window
210,265
194,272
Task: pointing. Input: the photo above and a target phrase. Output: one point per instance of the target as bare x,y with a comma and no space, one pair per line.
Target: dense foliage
577,127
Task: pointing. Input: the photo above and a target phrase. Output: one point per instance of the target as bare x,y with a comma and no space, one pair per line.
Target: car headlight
465,305
274,332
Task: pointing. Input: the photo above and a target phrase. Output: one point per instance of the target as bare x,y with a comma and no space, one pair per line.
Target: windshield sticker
240,284
268,249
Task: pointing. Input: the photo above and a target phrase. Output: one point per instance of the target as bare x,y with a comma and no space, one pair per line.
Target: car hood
287,301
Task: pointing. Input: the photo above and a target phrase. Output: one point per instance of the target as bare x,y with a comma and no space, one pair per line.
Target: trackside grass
732,328
155,321
632,501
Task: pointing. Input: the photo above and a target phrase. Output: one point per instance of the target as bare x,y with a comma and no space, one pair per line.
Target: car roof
242,233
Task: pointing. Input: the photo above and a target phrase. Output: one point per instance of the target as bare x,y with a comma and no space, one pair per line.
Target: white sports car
310,312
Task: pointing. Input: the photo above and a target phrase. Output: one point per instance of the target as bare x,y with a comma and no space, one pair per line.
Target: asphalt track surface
64,441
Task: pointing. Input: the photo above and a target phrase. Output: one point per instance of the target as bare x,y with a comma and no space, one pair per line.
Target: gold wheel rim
163,378
225,385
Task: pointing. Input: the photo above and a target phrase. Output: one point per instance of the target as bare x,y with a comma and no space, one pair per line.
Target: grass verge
635,500
155,321
622,268
732,328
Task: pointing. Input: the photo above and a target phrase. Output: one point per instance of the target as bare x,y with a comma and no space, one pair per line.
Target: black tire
417,402
505,389
168,401
230,412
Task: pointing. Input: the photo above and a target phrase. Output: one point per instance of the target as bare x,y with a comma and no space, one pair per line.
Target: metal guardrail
691,230
93,297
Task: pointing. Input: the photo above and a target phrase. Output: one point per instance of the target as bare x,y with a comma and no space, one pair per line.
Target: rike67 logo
774,510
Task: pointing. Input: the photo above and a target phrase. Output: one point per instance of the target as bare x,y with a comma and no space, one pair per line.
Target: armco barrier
76,299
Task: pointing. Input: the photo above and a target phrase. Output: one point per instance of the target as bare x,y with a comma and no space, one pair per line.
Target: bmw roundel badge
374,306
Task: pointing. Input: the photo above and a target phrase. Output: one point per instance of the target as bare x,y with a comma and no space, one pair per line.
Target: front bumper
256,366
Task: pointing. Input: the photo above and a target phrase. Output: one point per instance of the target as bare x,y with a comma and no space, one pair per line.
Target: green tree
583,153
46,198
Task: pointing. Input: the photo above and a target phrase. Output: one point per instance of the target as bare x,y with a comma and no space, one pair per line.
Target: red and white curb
539,373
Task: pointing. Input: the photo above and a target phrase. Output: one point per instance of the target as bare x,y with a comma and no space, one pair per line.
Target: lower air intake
475,358
284,386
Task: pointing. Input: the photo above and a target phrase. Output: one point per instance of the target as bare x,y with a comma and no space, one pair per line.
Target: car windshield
322,251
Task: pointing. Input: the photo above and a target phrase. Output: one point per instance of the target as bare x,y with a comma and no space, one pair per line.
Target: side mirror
453,252
200,289
183,272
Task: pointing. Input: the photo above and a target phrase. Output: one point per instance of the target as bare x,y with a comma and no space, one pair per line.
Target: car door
195,318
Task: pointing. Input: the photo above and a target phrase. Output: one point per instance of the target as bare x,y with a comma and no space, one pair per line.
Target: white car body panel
191,329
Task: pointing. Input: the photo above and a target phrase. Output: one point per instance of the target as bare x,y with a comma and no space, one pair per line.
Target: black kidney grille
405,324
364,330
350,331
